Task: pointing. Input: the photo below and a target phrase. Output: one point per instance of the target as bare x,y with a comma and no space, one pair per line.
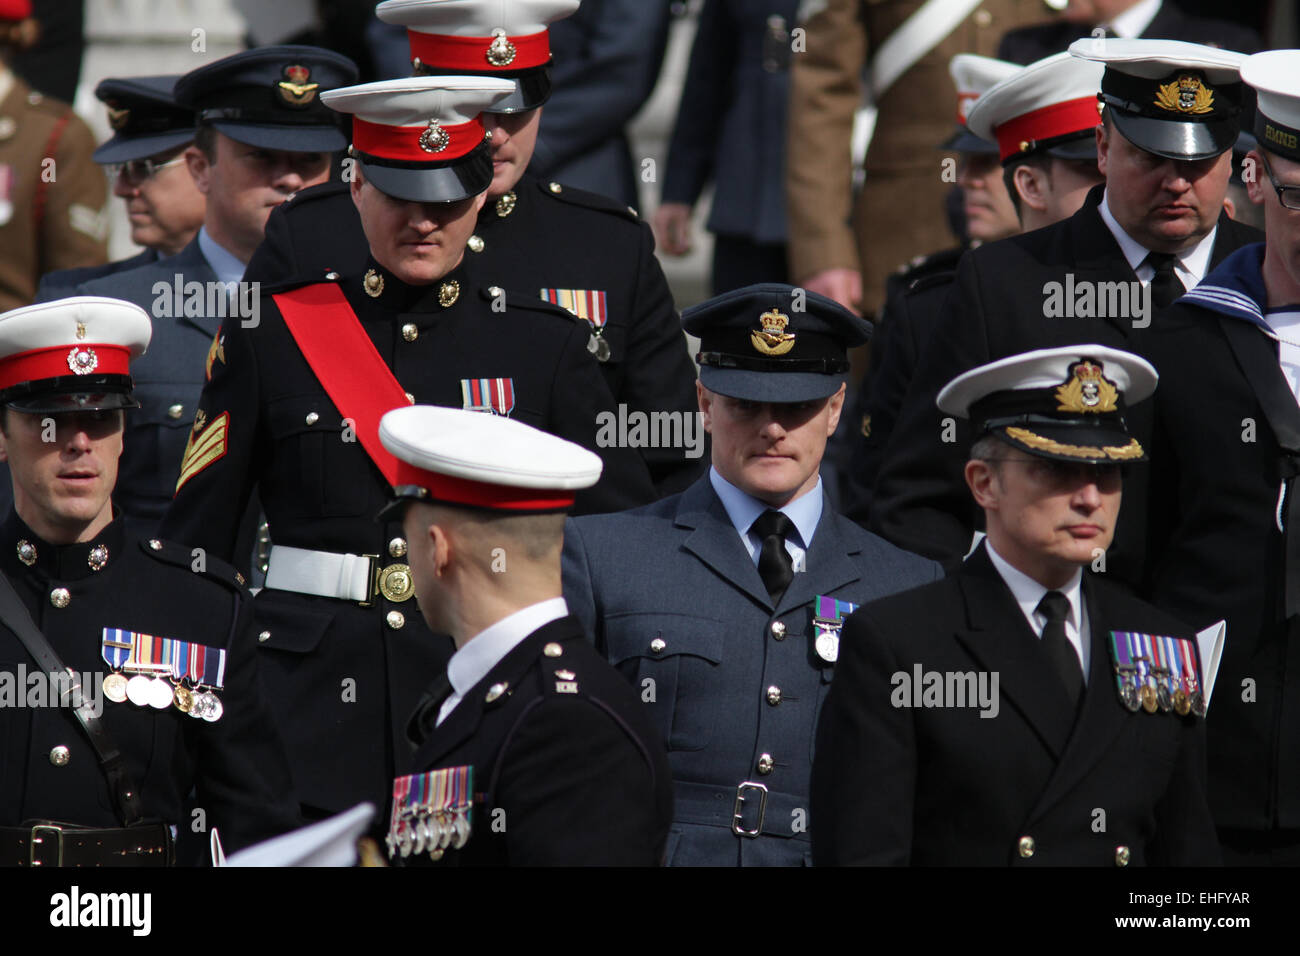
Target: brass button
1026,846
495,691
60,756
312,418
1122,856
396,620
778,630
982,17
175,411
475,244
555,188
657,645
264,636
774,695
397,547
765,764
410,332
552,650
60,597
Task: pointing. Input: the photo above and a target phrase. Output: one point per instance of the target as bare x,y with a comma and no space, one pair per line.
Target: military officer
1223,530
263,134
550,757
1172,111
145,160
732,640
582,251
989,718
160,645
293,408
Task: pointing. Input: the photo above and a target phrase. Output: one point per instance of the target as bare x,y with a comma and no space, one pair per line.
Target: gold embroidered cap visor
771,342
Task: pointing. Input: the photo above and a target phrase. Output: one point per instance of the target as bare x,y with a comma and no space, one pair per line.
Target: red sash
357,380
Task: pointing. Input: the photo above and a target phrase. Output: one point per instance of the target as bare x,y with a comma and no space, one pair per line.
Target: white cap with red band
975,75
458,457
1052,98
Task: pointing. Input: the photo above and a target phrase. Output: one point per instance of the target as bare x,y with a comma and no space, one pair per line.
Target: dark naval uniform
549,239
345,675
554,734
949,786
235,766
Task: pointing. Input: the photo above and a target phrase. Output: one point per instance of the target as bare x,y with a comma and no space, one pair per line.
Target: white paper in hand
331,842
1210,644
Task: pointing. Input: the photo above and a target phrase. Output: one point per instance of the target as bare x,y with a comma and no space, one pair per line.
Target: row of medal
165,673
1157,673
828,618
431,812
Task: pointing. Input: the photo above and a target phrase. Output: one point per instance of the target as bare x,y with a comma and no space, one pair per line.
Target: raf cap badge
118,118
294,89
772,338
1087,391
1186,94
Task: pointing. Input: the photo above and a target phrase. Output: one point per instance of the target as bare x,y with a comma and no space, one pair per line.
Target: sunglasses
138,171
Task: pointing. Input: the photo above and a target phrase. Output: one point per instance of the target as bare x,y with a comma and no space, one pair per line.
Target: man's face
1166,205
1281,226
417,242
514,136
165,209
1044,513
63,469
990,213
245,183
1068,186
769,450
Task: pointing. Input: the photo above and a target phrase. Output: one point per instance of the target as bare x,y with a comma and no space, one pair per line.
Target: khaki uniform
899,213
72,227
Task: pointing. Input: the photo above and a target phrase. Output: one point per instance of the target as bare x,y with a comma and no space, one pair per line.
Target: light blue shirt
743,510
223,263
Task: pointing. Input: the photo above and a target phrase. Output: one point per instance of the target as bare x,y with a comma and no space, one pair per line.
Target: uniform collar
397,296
1028,592
504,208
743,509
1193,262
487,648
66,562
1236,287
223,262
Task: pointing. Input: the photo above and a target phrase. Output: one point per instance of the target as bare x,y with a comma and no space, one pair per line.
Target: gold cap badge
118,118
1087,391
772,338
1186,94
294,88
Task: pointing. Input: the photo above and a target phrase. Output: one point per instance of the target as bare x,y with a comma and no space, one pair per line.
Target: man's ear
354,187
1103,147
196,161
1030,183
981,479
441,550
705,398
837,406
1256,188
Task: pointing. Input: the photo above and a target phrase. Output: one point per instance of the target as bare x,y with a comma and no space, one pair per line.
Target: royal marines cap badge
501,52
434,138
294,89
771,337
431,811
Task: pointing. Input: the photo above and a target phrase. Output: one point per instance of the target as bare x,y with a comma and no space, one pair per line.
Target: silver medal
137,690
160,694
828,646
598,347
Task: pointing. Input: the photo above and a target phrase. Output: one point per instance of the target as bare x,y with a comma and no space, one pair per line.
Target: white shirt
1135,19
743,510
484,650
1029,592
223,262
1287,327
1190,266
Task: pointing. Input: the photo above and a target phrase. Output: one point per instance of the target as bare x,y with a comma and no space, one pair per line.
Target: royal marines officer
582,251
1223,530
1171,114
1023,711
293,409
731,641
531,750
161,644
145,161
263,134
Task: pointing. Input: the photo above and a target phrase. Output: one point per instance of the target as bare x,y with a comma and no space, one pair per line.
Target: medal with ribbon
115,646
431,812
1157,673
828,619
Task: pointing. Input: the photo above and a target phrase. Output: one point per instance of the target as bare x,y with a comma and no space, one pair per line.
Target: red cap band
964,102
1058,119
480,494
416,143
472,53
90,359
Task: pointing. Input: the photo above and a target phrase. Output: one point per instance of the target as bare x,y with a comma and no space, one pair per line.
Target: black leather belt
45,843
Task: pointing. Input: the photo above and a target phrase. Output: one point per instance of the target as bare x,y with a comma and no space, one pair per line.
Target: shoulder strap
126,795
357,380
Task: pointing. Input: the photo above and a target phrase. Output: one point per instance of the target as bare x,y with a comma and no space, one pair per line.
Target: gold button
982,18
552,650
495,691
1024,146
475,244
1026,847
1122,856
60,597
396,620
312,418
657,645
264,636
410,332
774,695
155,544
555,188
778,630
397,547
60,756
175,411
765,764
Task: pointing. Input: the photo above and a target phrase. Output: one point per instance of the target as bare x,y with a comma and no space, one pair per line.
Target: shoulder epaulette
580,197
312,194
195,560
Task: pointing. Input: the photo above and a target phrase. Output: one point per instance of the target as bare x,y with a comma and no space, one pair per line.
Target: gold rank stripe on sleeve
205,446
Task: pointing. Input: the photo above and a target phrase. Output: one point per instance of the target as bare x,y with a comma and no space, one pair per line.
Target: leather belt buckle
34,841
738,810
393,581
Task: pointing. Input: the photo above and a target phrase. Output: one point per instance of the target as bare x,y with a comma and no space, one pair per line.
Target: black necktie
774,564
425,716
1165,284
1056,607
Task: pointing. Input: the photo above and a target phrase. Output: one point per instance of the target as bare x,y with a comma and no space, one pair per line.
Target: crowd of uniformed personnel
318,500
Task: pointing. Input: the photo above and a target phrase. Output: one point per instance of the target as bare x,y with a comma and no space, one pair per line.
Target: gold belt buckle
31,844
394,582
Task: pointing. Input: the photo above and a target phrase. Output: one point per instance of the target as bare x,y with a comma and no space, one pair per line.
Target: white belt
348,577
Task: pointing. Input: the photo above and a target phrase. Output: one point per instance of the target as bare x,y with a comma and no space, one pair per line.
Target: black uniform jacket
344,676
236,765
567,768
549,237
1030,786
996,309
